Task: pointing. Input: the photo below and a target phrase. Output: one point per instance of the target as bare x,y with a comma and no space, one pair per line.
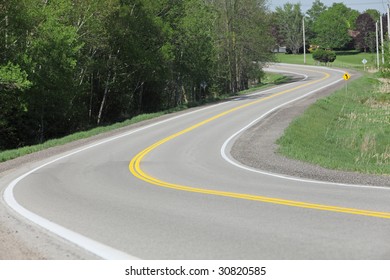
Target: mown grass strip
343,59
349,130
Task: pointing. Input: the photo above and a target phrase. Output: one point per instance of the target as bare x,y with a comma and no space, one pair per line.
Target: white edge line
81,241
84,242
291,178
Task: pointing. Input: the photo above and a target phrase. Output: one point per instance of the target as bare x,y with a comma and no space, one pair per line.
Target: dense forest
70,65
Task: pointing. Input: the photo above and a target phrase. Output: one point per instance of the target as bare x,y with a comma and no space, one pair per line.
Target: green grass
349,59
346,131
268,80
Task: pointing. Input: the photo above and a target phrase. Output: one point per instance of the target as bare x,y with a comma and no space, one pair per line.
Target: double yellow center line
136,170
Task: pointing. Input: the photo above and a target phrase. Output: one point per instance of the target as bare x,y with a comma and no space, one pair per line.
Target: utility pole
388,21
377,44
382,43
304,40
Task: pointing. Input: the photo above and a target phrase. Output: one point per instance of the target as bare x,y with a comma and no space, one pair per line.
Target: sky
360,5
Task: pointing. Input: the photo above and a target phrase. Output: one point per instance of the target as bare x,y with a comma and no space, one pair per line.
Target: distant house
279,49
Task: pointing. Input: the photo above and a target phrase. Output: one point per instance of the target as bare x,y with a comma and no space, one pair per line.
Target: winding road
171,190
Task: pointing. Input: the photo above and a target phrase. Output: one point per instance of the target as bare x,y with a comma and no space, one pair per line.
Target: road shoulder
256,148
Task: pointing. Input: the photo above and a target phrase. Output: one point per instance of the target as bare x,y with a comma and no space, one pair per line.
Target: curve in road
136,170
90,198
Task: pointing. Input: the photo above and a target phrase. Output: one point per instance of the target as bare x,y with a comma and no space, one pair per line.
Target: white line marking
239,165
84,242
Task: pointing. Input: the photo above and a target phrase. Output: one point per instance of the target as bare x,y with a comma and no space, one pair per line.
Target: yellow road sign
346,76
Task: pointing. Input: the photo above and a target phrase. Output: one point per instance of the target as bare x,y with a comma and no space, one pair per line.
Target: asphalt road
171,190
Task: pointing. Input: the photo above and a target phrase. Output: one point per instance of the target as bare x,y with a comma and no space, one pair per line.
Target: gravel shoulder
256,148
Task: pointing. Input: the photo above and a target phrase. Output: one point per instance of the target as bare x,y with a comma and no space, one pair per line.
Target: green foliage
13,81
313,14
289,20
71,65
332,27
13,78
52,54
80,64
375,14
324,56
316,10
242,37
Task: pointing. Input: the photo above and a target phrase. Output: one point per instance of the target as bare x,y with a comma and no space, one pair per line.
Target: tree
275,30
77,64
242,40
375,14
316,10
365,26
194,51
332,26
289,20
91,20
136,63
52,54
13,82
313,14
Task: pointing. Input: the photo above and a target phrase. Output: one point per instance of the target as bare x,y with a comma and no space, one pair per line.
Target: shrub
325,56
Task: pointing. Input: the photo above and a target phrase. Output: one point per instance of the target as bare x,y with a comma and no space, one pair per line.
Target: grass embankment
346,131
268,80
11,154
350,59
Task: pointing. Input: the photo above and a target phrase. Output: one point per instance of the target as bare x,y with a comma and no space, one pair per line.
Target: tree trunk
184,95
90,98
106,90
140,97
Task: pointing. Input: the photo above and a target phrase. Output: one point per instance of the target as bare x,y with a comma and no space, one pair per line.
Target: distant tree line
337,27
69,65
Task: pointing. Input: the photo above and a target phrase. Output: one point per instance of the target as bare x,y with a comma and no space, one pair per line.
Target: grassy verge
343,59
11,154
269,79
346,131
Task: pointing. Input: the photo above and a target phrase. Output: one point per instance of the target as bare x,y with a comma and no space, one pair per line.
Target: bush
325,56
